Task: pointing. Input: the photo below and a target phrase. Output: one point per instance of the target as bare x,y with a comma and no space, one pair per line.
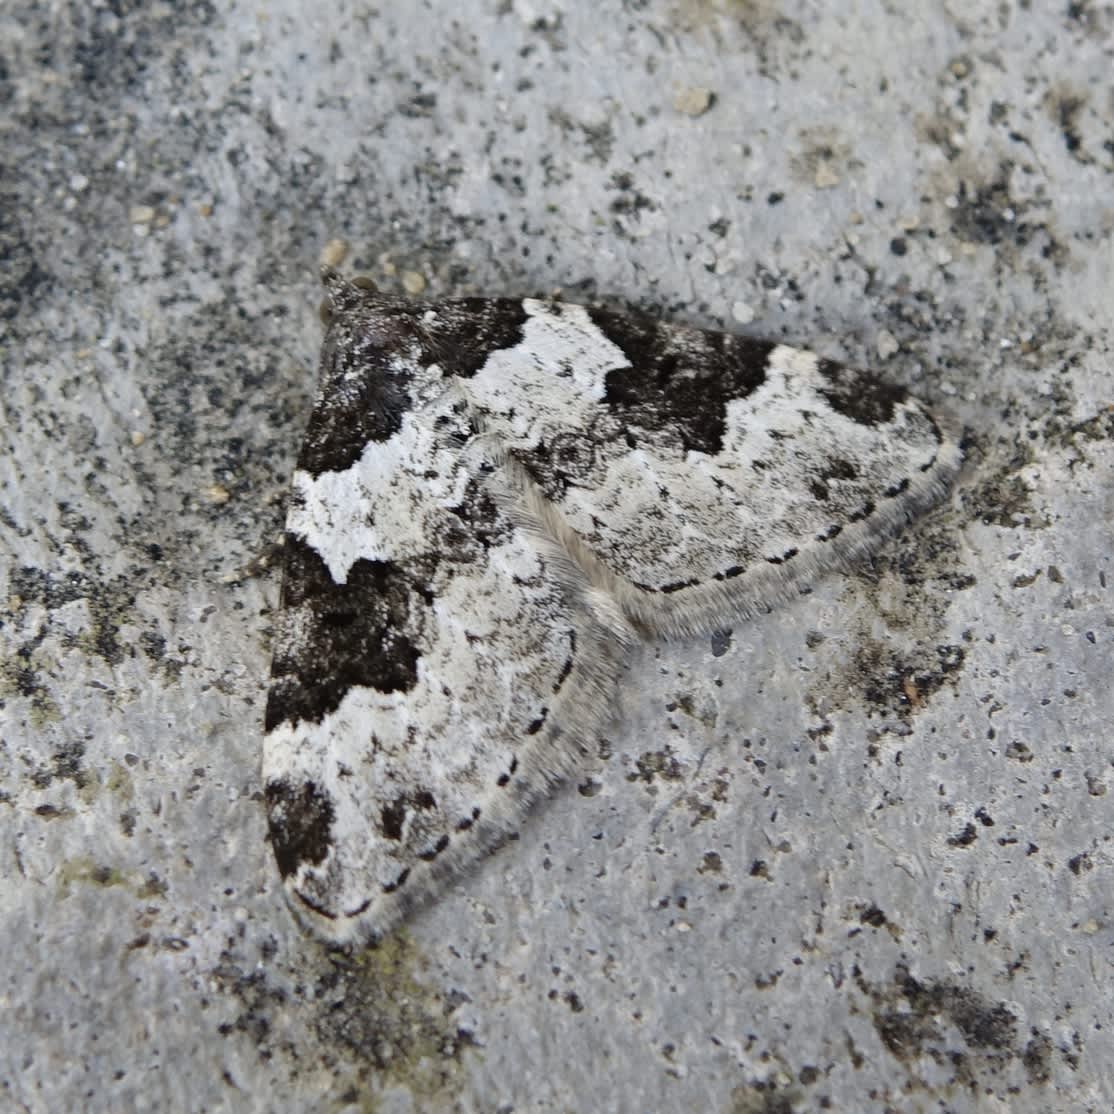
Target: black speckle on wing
337,636
567,668
820,486
679,379
563,461
461,334
392,816
400,881
363,391
431,853
859,395
300,817
476,519
369,357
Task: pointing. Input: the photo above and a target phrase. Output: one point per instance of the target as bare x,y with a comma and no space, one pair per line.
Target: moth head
342,294
366,331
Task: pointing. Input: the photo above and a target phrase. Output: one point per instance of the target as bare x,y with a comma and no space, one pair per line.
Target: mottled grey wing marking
699,476
491,497
391,780
438,663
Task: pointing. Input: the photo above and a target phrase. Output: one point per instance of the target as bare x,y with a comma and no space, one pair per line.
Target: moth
494,500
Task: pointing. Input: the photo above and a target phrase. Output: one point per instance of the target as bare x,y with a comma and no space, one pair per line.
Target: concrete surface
855,856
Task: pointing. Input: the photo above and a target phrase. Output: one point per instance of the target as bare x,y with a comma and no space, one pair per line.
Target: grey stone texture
853,856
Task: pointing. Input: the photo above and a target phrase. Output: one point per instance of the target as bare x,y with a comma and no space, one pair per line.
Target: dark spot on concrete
964,838
1080,864
912,1016
657,764
900,685
873,916
1037,1058
988,215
